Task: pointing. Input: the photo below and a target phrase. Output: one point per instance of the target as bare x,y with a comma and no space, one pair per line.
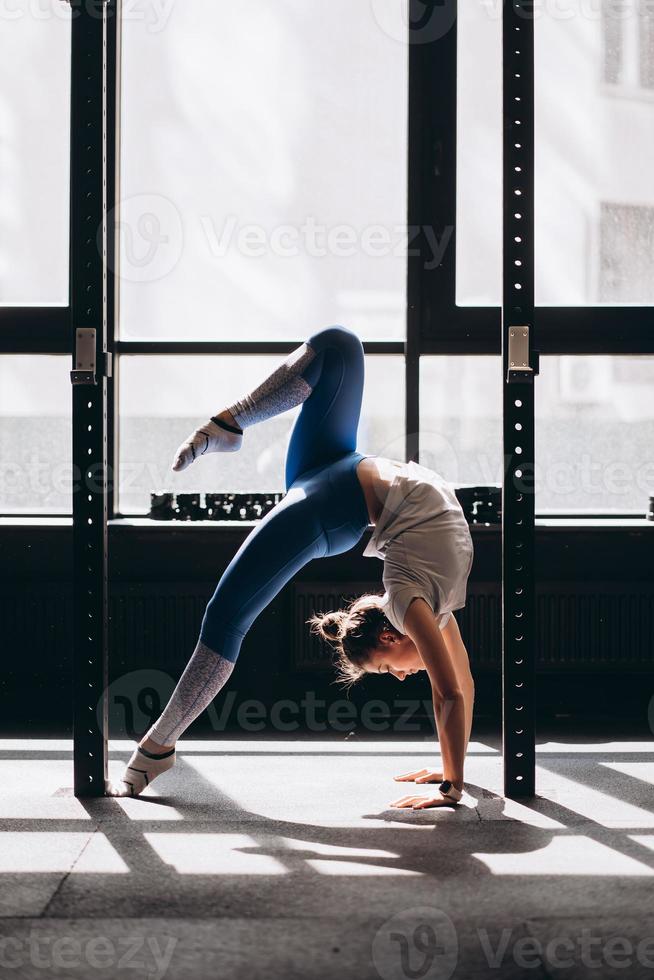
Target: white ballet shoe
212,437
139,772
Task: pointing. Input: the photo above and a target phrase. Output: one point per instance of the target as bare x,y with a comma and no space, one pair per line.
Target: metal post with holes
519,367
90,369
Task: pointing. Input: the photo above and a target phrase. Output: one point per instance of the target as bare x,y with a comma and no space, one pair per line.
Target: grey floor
281,859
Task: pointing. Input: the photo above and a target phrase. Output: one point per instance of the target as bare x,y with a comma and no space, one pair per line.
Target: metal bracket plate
519,367
84,372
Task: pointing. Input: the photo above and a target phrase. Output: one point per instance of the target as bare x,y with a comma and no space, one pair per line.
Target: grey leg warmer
283,389
204,675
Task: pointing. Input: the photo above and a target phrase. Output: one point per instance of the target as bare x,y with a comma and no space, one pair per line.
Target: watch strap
451,792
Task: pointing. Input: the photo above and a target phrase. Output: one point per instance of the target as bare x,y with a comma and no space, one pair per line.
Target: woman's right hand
420,776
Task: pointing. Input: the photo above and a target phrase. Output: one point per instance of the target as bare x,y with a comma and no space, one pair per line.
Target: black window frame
435,324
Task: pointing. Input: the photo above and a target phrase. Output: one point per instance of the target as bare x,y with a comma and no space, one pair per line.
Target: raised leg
327,425
326,371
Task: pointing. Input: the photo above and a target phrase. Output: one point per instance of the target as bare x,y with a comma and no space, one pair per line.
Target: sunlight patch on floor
242,854
569,855
56,851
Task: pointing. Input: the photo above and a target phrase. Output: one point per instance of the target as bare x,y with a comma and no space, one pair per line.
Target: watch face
445,786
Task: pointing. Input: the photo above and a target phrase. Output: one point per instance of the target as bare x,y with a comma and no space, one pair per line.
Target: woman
333,493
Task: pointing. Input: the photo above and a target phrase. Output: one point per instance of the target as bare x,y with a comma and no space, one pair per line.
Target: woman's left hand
421,802
420,776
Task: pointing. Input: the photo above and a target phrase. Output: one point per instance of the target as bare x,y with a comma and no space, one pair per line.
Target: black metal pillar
91,366
432,62
519,366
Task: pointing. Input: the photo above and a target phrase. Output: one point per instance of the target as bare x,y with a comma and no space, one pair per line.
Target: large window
590,148
263,176
461,418
263,189
34,153
594,429
628,46
626,253
263,197
35,434
594,434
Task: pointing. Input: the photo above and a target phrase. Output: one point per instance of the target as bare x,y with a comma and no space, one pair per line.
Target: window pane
613,36
34,162
479,156
263,171
594,198
461,418
163,398
35,434
646,46
594,428
594,434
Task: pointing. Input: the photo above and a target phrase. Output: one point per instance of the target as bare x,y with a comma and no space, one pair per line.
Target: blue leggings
324,511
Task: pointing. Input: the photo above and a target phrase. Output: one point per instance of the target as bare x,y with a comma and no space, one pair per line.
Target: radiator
585,626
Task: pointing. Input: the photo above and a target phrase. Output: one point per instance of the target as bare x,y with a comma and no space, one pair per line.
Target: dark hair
353,633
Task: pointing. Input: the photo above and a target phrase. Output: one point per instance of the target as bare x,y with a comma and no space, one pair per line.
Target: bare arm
454,641
452,718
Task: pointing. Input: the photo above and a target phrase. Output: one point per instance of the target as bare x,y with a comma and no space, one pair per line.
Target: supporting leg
288,537
204,676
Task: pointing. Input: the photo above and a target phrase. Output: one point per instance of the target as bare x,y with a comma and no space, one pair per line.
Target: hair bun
329,626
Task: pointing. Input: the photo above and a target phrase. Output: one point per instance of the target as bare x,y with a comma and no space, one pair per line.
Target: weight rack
93,27
519,367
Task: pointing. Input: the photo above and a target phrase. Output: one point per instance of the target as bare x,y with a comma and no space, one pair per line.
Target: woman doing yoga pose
333,493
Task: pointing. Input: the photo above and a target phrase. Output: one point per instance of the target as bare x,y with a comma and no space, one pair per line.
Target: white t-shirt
424,540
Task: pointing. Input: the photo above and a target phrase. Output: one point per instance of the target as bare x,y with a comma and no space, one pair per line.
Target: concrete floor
281,859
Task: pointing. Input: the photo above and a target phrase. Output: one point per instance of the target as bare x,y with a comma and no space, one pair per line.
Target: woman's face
396,655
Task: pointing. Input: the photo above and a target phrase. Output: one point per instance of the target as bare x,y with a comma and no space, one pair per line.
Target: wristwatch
450,791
